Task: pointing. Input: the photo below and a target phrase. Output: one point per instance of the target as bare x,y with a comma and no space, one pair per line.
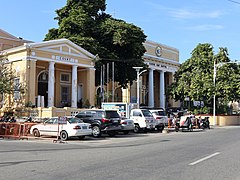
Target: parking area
105,140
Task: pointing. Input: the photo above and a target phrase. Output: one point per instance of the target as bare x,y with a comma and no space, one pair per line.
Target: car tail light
158,117
104,120
77,127
124,122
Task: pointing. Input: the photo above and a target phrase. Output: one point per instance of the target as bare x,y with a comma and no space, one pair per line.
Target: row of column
51,85
151,89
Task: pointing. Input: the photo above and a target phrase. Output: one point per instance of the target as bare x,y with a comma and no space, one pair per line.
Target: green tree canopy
6,76
194,79
86,24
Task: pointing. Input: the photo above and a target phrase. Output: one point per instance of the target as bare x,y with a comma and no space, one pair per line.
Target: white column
74,87
42,102
162,90
51,84
150,89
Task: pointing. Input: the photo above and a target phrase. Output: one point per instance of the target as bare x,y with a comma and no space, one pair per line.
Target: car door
45,128
137,117
55,128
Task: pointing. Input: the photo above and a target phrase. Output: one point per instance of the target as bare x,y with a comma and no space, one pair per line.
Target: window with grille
65,94
16,89
65,77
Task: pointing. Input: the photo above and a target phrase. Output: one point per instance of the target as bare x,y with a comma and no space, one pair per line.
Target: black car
106,121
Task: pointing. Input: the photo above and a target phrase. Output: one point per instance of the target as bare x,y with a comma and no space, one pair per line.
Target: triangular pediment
63,46
7,35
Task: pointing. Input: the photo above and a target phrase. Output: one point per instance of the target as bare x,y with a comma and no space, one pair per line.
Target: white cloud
190,14
205,27
185,13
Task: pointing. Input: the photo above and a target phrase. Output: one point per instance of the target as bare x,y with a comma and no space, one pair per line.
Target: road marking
203,159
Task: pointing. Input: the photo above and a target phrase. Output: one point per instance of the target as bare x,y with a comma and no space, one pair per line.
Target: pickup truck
143,120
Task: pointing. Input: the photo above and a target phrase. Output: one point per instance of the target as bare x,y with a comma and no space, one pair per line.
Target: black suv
107,121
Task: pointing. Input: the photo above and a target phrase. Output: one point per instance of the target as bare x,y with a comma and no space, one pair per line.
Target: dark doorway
43,86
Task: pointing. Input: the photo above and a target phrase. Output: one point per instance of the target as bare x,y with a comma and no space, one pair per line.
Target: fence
15,130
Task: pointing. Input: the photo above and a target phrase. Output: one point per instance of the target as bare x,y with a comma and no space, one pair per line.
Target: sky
181,24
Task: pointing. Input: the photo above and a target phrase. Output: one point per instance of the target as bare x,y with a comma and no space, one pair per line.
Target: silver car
127,125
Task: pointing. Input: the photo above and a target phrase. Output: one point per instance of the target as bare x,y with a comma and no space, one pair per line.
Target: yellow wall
167,52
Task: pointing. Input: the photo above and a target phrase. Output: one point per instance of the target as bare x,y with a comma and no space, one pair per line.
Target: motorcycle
205,124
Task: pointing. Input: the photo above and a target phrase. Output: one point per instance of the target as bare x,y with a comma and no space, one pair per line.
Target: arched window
43,77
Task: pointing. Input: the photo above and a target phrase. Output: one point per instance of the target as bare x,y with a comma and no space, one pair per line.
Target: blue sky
181,24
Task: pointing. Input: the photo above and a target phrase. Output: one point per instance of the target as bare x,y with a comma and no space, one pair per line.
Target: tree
11,88
6,76
194,79
86,24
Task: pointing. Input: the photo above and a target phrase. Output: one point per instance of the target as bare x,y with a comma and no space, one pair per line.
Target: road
210,154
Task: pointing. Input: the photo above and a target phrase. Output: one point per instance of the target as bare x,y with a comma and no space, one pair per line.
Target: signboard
122,108
62,120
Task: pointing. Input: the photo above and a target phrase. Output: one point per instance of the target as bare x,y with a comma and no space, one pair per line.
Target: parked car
143,119
102,121
127,125
65,127
161,118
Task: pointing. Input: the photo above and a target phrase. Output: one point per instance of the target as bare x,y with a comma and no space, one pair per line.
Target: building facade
55,73
163,62
59,73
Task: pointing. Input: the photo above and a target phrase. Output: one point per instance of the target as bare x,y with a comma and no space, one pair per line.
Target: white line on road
203,159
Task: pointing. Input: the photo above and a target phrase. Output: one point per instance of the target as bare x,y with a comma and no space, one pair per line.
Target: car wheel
111,133
160,128
81,137
126,132
136,128
96,132
176,128
64,135
36,133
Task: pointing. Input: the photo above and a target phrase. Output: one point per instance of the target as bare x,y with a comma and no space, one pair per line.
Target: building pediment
61,46
6,35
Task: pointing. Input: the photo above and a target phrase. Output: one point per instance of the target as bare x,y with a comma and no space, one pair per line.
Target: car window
112,114
136,113
99,114
81,114
154,113
161,113
73,120
55,120
49,121
89,114
147,113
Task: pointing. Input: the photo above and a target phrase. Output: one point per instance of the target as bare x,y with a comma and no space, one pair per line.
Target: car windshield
73,120
147,113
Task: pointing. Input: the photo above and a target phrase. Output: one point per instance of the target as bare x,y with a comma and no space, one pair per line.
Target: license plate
84,127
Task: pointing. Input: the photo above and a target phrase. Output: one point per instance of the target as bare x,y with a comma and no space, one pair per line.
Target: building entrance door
43,86
80,95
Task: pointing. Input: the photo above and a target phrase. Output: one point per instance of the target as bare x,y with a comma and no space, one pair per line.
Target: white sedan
63,127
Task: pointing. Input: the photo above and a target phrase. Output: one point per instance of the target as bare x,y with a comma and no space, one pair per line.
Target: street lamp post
214,82
138,75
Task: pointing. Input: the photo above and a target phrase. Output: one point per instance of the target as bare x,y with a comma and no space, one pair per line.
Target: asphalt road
210,154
